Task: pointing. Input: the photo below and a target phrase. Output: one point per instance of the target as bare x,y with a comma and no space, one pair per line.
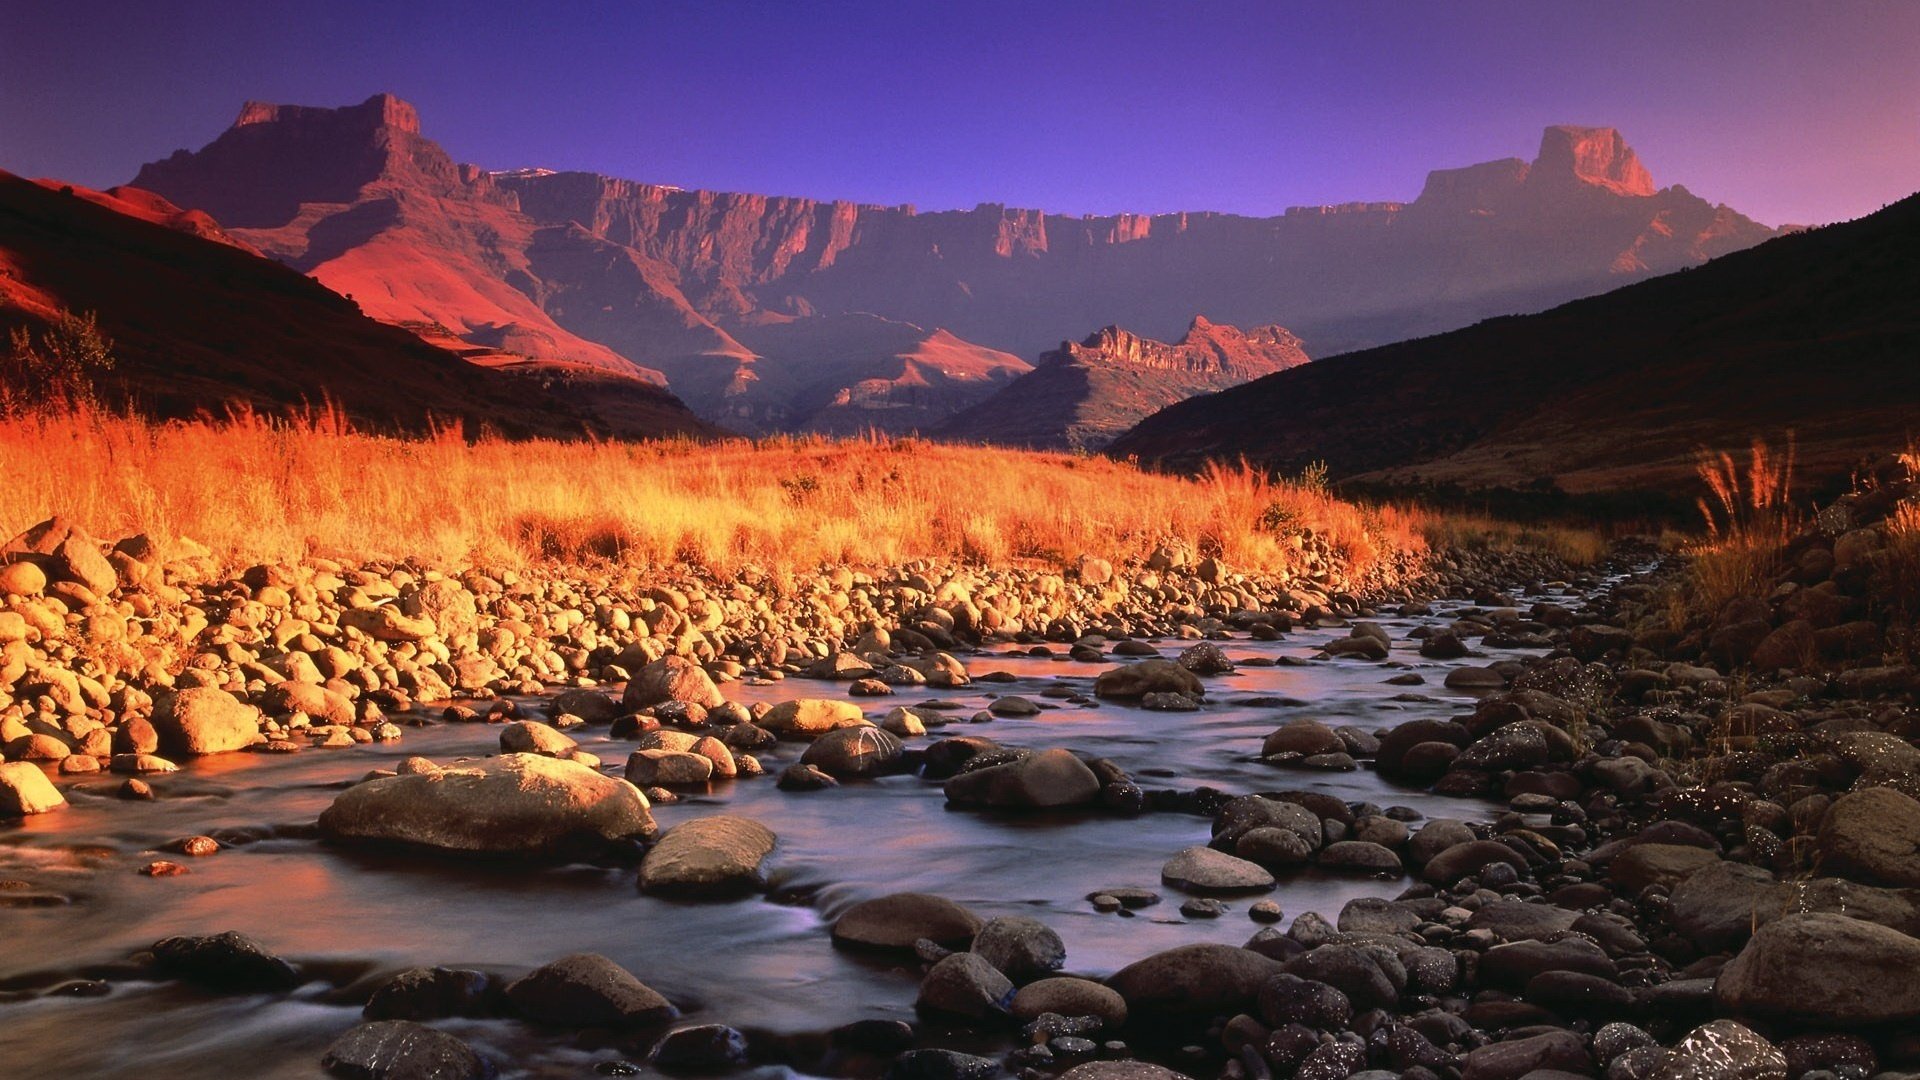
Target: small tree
54,368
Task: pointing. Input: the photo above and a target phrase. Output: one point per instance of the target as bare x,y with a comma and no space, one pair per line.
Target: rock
1824,970
898,920
1289,999
671,678
708,857
1370,977
1513,748
798,777
429,993
515,804
811,717
1204,870
1443,645
1558,1051
1789,647
708,1048
1873,836
1302,738
1192,982
533,737
1516,920
1360,856
1050,778
1205,658
587,990
1066,996
228,961
322,706
22,579
1665,865
1516,963
1721,1050
205,720
1121,1070
855,753
1468,859
1136,680
668,768
941,1065
25,789
403,1050
1022,949
965,984
591,706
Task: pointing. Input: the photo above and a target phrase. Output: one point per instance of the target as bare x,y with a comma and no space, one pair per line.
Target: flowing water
347,917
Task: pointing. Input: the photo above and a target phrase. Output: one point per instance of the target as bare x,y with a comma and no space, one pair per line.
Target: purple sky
1789,111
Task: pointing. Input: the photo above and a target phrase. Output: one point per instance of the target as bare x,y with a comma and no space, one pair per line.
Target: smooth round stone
1202,869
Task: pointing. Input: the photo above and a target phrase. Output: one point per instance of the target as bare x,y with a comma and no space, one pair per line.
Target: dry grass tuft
1749,516
255,489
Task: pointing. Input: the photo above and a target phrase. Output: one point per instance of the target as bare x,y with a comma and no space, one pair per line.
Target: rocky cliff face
1084,394
583,269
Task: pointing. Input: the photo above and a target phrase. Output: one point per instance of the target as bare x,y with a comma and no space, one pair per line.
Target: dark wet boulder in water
965,985
226,961
1556,1051
709,1048
1192,982
855,753
587,990
403,1050
1048,779
1022,949
514,804
1137,680
429,993
1204,870
1121,1070
1065,995
897,921
715,856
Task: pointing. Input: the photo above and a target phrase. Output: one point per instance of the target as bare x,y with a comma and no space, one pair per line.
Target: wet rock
1665,865
1873,836
1465,860
1558,1051
896,921
1721,1050
1204,870
1301,738
1205,658
855,753
205,720
515,804
1370,977
403,1050
1136,680
227,961
709,857
671,678
591,706
429,993
25,789
1121,1070
1289,999
1824,969
964,984
1050,778
1192,982
1022,949
1066,996
1359,856
708,1048
587,990
811,717
668,768
1515,964
941,1065
798,777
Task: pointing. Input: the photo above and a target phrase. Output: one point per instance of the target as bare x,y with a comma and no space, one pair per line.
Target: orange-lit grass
1750,516
251,489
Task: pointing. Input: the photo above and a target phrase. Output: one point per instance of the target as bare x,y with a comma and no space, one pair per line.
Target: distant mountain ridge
1812,335
628,278
1084,394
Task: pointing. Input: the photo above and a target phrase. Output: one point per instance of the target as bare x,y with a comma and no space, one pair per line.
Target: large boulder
514,804
896,921
1872,835
205,720
1069,996
226,961
1204,870
24,790
808,718
1050,778
1721,1050
1193,982
1137,680
855,753
708,857
587,990
964,984
671,678
1022,949
403,1050
1824,970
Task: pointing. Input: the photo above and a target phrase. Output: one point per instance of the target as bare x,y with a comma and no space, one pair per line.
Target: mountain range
1811,337
771,313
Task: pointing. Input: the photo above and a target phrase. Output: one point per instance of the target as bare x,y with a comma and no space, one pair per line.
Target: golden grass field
251,489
